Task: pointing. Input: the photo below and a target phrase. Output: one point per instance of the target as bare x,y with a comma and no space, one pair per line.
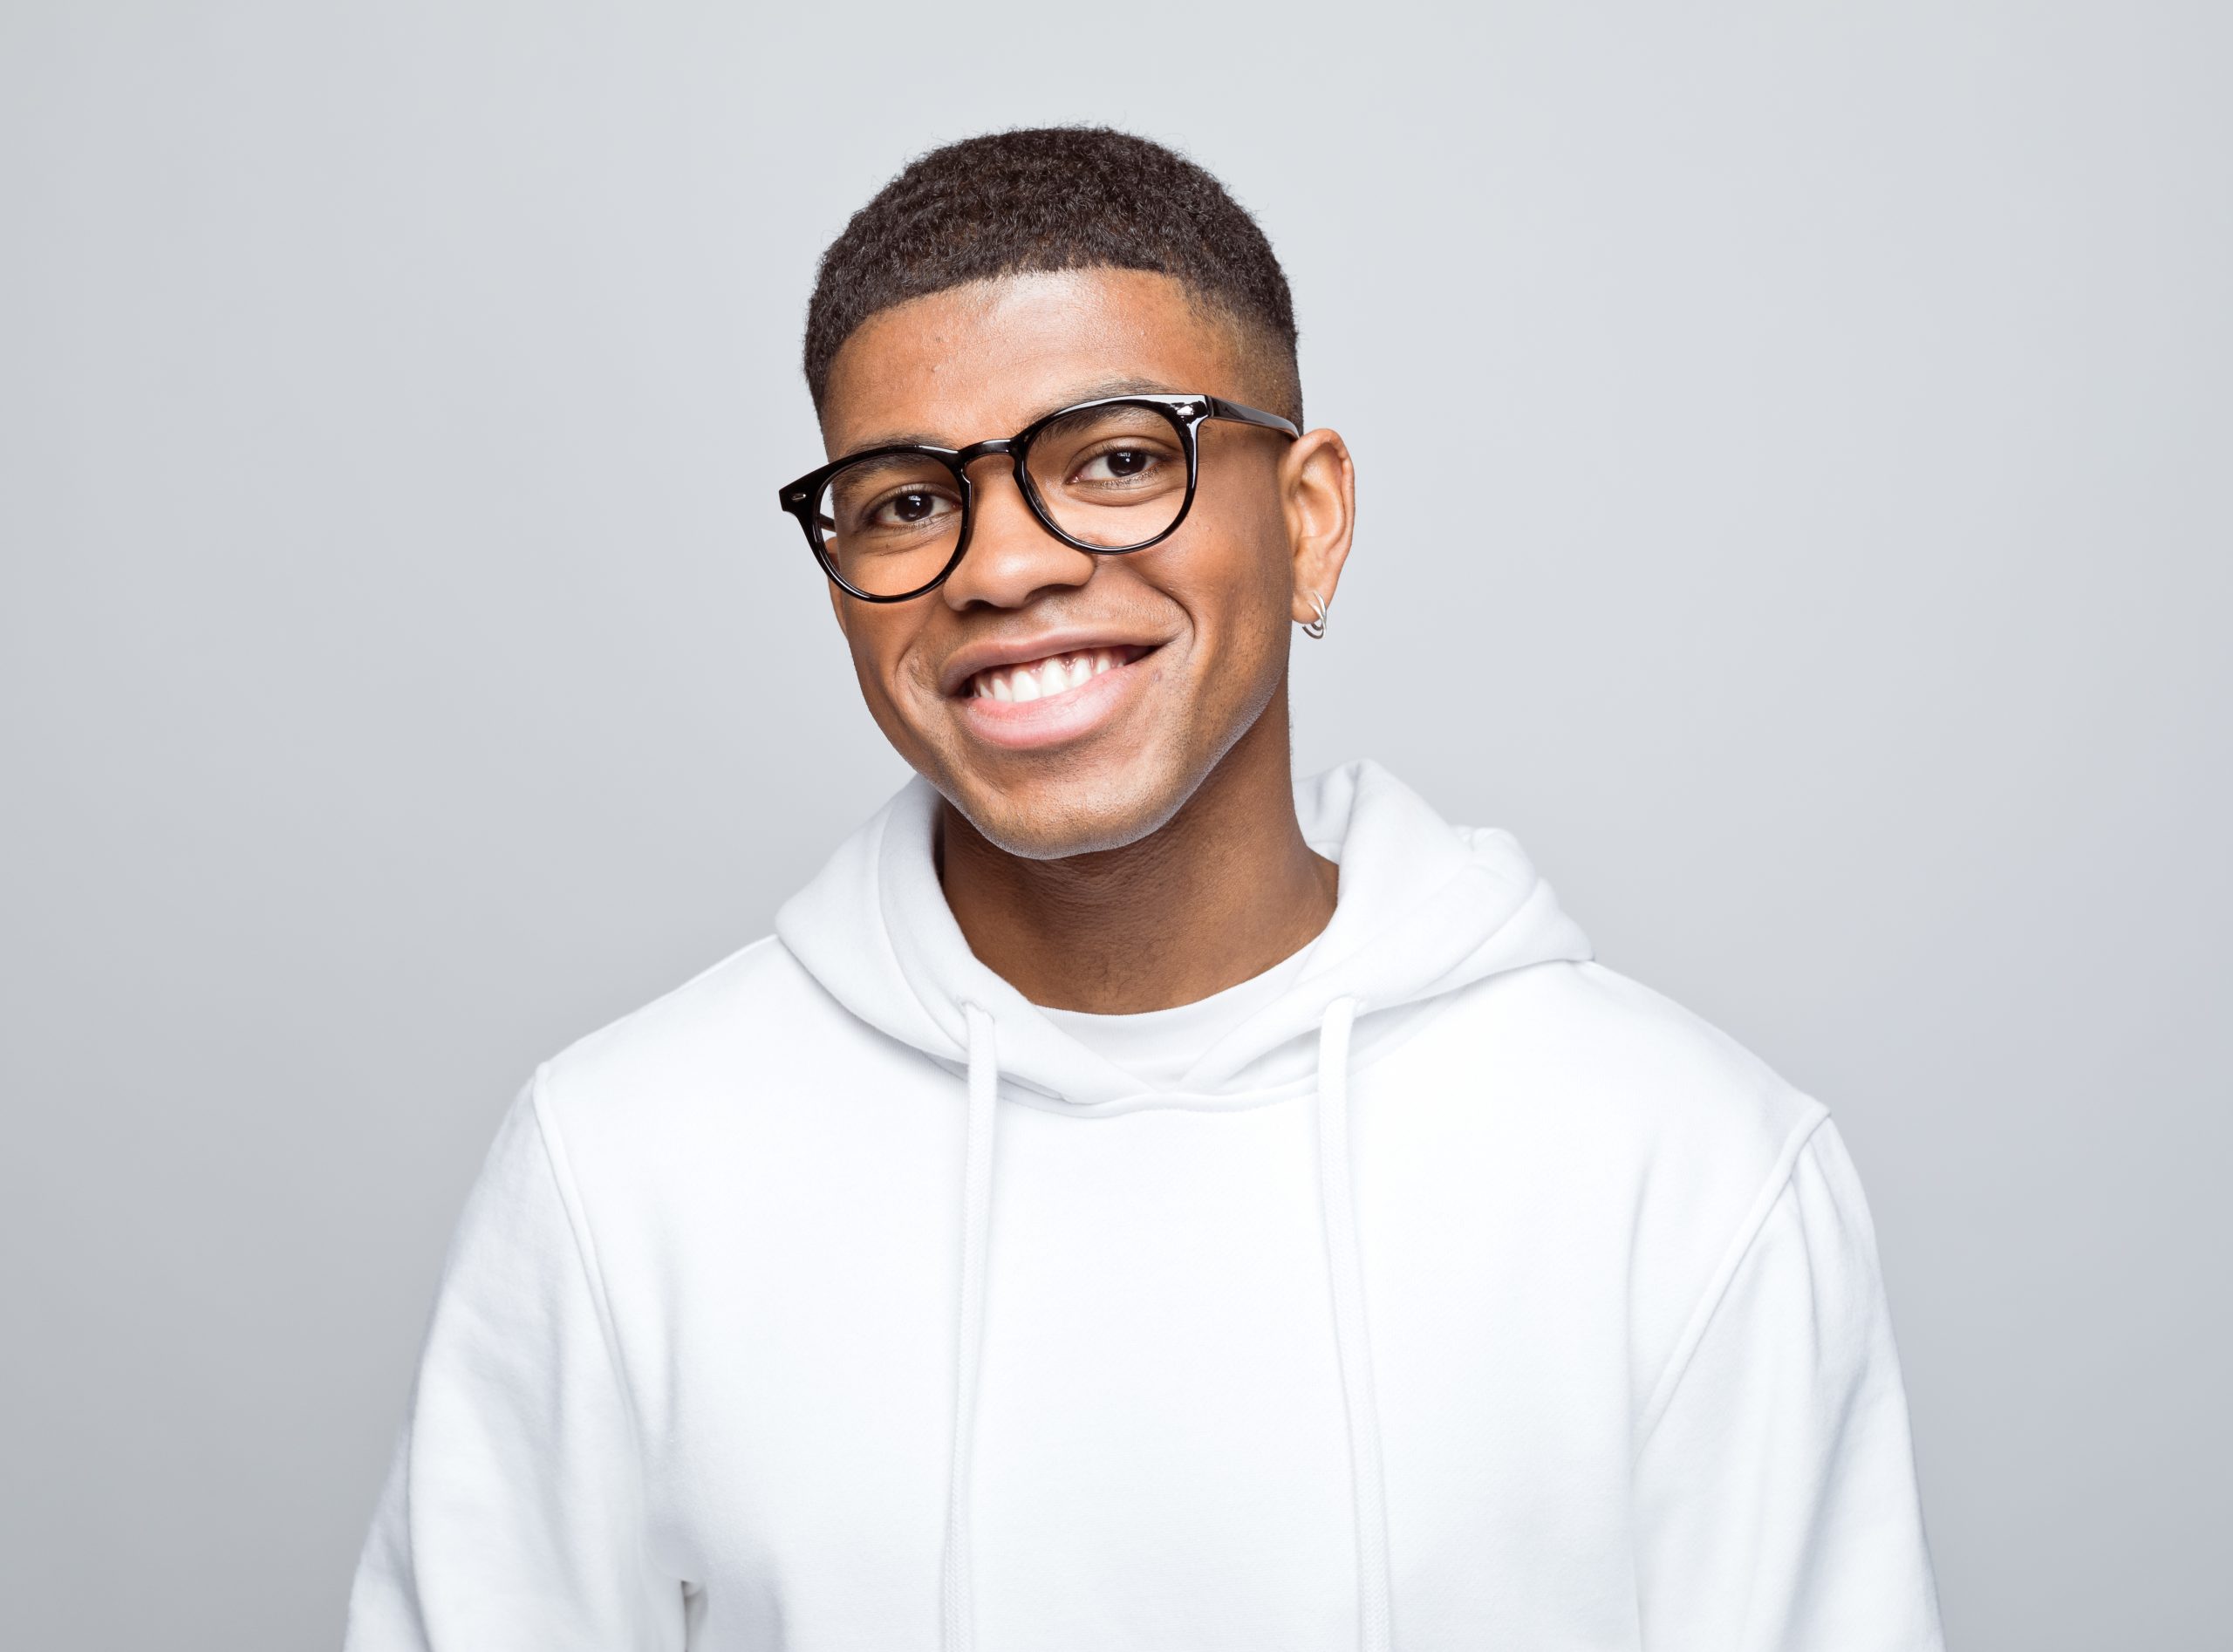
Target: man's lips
1037,666
1053,701
1049,676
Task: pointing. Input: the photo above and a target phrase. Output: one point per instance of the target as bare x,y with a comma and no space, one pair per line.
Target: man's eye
1118,464
905,510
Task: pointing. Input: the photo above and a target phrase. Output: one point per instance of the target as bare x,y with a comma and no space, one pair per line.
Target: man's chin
1059,815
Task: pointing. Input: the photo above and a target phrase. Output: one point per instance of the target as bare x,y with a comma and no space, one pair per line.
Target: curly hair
1048,198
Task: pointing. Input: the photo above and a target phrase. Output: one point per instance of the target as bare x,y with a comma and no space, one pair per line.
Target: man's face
1144,668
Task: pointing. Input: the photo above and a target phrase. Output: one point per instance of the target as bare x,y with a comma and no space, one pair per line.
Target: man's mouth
1045,679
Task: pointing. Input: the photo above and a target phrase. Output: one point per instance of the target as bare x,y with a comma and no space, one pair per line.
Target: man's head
992,282
1055,199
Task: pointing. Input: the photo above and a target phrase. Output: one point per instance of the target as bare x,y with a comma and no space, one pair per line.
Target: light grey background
1795,462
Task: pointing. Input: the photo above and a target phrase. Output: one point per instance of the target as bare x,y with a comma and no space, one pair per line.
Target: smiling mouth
1045,679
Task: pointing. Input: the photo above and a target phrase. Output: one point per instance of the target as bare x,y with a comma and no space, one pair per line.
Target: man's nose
1011,555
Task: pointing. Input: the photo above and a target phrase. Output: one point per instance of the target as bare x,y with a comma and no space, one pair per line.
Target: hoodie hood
1424,908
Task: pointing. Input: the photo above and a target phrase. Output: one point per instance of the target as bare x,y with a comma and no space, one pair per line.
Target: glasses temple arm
1221,408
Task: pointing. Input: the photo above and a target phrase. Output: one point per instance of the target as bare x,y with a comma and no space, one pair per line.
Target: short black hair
1045,198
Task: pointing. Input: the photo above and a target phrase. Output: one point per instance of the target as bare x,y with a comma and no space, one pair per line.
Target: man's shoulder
701,1038
1659,1138
1598,1050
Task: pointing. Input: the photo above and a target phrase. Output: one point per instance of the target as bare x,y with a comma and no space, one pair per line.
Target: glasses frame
1185,412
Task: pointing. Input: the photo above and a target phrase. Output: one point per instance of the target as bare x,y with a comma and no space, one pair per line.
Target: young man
1134,1201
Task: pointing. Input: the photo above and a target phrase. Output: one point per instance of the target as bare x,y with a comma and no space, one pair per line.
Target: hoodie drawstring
961,1633
1337,1203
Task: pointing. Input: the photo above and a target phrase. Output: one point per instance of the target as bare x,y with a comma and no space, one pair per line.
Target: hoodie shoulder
1669,1135
1645,1069
709,1041
683,1011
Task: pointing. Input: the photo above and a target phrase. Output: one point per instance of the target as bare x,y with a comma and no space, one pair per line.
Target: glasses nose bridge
1005,447
1010,448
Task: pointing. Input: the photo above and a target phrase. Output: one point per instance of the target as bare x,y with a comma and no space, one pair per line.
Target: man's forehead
986,358
941,435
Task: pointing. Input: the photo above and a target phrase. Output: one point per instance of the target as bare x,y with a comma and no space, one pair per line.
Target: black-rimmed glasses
1107,476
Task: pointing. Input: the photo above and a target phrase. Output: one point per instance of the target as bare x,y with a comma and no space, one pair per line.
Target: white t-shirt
1157,1046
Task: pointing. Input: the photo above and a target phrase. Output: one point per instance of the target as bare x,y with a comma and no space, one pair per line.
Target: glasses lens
1111,477
888,523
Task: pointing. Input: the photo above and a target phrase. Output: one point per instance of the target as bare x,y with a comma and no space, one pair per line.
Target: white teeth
1041,680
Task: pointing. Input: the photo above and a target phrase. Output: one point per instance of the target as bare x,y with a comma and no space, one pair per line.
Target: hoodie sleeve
1775,1488
513,1515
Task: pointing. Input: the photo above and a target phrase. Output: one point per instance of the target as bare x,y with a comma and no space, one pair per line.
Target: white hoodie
1470,1296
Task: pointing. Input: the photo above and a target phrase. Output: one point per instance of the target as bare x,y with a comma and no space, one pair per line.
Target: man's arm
513,1516
1775,1487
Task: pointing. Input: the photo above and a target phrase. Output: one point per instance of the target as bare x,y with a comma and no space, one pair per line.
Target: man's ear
1319,484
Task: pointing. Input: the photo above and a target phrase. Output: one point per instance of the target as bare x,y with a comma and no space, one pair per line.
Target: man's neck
1223,891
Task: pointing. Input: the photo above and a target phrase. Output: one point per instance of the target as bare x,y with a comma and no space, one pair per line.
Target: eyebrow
1095,391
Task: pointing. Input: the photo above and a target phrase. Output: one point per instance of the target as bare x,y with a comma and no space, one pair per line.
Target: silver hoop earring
1315,627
